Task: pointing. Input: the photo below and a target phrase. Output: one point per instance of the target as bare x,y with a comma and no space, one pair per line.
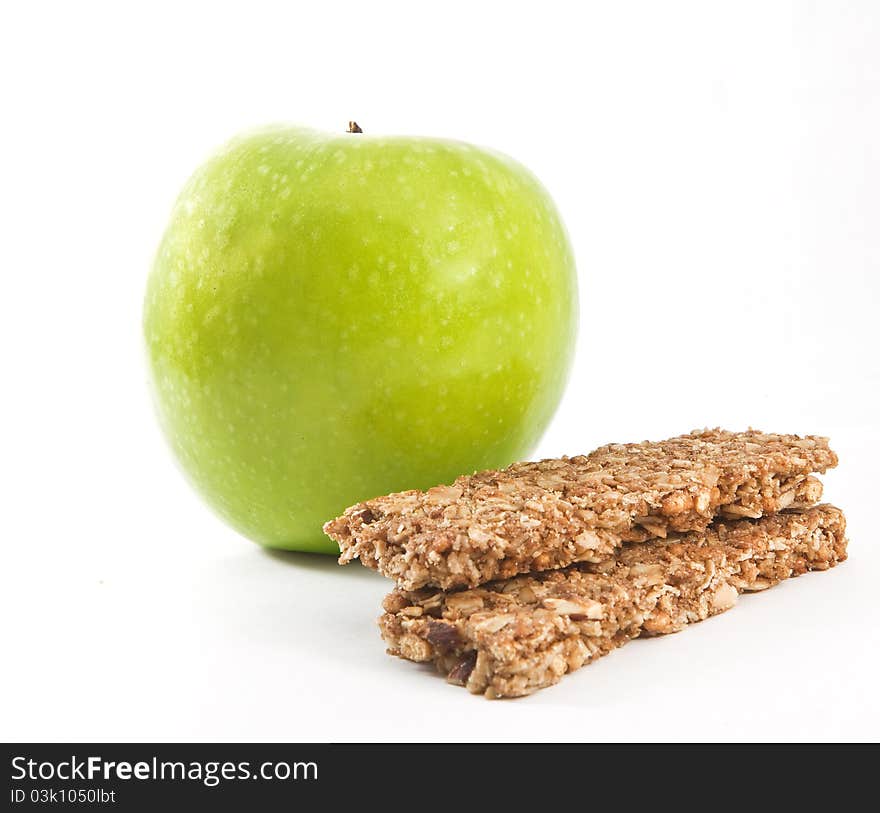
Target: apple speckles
448,278
210,315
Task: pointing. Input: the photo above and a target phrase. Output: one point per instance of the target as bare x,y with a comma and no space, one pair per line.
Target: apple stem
354,127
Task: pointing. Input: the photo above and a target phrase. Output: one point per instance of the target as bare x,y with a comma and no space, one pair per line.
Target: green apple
331,317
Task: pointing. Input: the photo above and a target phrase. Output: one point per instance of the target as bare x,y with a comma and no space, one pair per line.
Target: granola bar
511,637
550,514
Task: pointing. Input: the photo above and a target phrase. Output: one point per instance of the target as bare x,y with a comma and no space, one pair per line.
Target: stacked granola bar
507,580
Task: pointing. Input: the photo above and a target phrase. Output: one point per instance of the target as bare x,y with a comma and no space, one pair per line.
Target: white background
718,166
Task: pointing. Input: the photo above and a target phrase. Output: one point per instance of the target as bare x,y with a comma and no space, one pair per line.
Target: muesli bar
512,637
550,514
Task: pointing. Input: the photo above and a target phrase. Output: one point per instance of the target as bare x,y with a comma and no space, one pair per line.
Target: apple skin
331,317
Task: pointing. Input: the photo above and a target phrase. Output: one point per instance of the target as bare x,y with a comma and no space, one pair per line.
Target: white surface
719,170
